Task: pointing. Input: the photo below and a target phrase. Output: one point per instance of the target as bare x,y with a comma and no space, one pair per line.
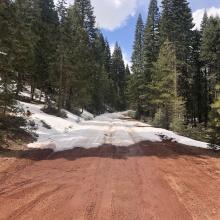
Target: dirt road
140,182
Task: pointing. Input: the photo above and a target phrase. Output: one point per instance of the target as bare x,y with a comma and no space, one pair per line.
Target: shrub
160,119
54,111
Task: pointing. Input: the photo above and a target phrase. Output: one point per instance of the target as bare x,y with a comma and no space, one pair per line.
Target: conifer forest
109,109
174,80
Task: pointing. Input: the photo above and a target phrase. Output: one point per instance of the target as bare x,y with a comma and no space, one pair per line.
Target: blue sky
124,34
117,18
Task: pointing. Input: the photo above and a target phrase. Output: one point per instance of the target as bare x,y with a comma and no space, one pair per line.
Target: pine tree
127,71
204,21
61,51
79,53
151,40
98,59
197,84
46,28
210,57
109,93
137,79
176,26
107,57
137,57
7,56
25,41
165,89
119,78
203,70
99,76
214,122
150,54
87,17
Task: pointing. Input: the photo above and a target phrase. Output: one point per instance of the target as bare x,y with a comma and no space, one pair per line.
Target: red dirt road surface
164,181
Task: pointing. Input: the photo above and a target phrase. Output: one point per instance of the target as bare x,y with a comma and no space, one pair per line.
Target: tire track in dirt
139,182
151,176
96,191
192,182
99,197
28,207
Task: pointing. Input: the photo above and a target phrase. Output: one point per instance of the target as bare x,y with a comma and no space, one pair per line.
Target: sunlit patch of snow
108,128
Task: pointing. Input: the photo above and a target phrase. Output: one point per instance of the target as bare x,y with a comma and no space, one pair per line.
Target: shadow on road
161,150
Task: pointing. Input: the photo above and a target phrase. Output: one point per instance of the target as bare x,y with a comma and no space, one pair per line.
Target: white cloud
198,15
112,14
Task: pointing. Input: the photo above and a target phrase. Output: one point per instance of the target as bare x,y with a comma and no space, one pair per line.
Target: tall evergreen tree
137,80
214,122
176,26
127,71
61,50
25,41
204,21
151,39
165,89
197,84
204,72
87,17
45,50
119,78
210,57
78,81
99,75
107,57
7,55
137,56
150,53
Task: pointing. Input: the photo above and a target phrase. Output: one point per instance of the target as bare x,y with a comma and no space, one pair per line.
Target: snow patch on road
112,129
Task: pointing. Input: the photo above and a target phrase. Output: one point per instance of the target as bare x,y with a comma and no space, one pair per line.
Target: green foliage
214,122
160,119
150,48
198,132
176,25
118,76
59,51
137,56
170,106
25,42
137,79
87,18
7,56
178,116
210,59
146,46
176,89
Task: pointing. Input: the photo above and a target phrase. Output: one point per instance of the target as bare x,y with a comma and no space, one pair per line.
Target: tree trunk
32,90
60,84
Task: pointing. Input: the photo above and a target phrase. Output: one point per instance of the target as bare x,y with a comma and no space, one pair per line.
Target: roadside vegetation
58,55
175,80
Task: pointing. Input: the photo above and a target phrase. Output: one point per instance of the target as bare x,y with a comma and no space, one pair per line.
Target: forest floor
146,180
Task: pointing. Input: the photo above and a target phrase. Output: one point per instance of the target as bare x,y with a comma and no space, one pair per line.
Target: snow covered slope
111,129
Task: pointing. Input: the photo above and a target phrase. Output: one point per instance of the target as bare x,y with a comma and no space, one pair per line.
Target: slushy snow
112,129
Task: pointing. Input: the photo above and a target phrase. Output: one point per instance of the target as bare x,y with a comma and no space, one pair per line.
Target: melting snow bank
63,134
